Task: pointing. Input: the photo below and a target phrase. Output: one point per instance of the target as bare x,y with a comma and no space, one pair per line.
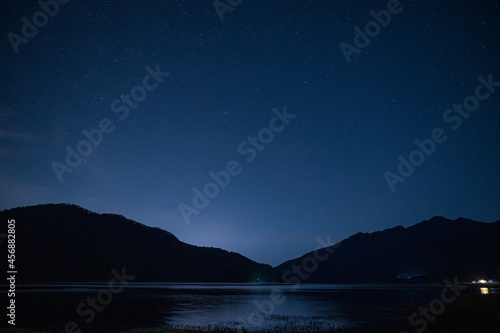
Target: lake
252,306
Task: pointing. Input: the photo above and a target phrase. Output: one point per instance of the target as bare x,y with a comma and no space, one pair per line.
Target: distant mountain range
429,251
61,242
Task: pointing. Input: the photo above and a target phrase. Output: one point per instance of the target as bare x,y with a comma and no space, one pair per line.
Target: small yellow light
485,291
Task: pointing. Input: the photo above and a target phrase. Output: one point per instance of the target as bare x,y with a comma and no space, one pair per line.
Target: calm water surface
148,305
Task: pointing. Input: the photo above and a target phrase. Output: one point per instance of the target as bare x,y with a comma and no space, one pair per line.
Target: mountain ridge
65,242
48,248
425,252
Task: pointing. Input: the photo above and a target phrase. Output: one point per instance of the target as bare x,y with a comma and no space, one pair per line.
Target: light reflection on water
251,309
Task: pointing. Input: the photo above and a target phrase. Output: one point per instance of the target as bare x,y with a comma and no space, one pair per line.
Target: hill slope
429,251
68,243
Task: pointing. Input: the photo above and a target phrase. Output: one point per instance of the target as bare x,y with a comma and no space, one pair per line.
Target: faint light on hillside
482,281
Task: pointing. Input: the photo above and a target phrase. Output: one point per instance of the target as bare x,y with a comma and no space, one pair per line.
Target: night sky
311,136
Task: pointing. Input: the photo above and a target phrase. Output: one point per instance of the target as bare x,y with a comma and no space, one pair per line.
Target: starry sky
170,91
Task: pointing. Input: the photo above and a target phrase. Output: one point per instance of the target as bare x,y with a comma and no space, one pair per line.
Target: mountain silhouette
429,251
67,243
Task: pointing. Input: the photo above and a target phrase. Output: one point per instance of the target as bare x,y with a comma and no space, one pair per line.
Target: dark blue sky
321,174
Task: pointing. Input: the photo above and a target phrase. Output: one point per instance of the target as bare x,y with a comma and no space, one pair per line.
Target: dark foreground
472,312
